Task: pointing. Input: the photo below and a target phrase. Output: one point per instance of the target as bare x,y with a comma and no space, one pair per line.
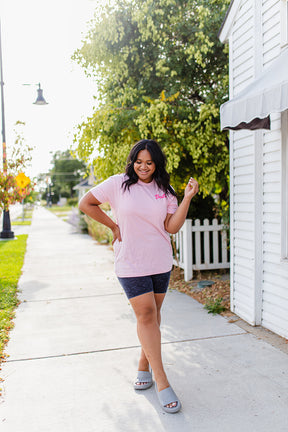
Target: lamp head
40,99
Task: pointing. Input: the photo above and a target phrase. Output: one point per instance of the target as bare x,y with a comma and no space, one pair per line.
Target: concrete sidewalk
74,353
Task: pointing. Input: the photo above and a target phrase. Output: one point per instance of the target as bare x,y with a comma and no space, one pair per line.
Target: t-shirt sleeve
107,190
172,204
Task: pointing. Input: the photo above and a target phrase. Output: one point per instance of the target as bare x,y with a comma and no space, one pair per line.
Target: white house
257,115
85,184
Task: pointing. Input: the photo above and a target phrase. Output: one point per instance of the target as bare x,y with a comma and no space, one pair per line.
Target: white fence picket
197,241
206,243
224,247
215,241
185,241
187,249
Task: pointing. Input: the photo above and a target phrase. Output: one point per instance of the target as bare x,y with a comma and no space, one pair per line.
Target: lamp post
6,232
49,192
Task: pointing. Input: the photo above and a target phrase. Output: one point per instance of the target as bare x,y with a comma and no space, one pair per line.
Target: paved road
74,353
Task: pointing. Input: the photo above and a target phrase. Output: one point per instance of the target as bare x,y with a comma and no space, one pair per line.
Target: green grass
27,218
27,214
12,254
58,209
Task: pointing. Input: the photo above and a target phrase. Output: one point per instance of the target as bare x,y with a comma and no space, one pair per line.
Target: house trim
258,45
284,187
231,140
284,22
225,29
258,226
231,80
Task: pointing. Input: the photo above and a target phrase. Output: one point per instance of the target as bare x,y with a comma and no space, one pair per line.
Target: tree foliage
162,73
65,173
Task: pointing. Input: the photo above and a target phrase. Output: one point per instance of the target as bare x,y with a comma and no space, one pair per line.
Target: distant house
257,115
85,185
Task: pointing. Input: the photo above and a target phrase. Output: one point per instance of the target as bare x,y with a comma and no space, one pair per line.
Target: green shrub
98,231
72,202
214,306
82,223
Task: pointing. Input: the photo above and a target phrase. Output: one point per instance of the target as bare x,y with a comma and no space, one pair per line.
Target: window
284,22
284,187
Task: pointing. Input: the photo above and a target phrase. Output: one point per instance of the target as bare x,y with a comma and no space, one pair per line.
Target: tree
162,74
65,174
11,191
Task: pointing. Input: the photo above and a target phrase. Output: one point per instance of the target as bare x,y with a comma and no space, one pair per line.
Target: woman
146,211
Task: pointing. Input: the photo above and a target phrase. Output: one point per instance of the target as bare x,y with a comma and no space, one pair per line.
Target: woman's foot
143,366
162,382
143,381
166,396
170,405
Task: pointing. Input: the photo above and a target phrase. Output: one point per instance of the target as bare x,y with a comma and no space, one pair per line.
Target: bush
82,224
214,306
72,202
98,231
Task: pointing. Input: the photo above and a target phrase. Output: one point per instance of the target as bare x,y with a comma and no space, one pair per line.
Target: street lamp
6,232
49,192
40,99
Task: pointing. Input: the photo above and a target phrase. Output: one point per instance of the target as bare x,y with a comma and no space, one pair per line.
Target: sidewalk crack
119,348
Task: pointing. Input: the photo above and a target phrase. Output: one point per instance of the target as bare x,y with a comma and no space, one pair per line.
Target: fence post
187,249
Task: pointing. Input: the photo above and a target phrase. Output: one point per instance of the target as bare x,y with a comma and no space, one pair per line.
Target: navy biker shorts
135,286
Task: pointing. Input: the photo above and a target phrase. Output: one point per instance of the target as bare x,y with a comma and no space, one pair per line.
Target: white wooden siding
241,48
275,273
284,186
242,169
242,244
284,22
242,72
271,30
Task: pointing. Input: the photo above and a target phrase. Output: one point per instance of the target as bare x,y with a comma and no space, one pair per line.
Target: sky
38,39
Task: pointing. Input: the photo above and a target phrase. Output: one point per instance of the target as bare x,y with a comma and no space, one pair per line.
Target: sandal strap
144,376
167,396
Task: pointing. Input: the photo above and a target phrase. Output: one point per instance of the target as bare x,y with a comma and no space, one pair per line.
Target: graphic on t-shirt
160,196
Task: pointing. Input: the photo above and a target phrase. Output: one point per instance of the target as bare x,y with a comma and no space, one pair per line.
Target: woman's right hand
116,234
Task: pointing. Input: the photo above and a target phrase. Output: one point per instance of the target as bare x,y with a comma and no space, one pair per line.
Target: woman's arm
174,222
90,206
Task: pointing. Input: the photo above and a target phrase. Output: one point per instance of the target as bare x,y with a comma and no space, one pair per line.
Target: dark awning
251,108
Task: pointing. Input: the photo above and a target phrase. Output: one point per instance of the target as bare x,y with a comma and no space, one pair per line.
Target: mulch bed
220,289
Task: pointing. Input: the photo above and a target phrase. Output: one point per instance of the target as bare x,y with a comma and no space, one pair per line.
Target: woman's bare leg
148,330
143,362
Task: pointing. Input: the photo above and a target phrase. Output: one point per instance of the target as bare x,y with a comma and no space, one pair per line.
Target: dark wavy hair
160,174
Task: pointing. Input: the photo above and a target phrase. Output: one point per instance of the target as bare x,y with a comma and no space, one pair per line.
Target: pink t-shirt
140,213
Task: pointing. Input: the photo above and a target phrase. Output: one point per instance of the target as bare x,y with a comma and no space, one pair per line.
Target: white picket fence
201,247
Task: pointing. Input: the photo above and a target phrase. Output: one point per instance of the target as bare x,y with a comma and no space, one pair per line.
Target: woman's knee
145,308
147,315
